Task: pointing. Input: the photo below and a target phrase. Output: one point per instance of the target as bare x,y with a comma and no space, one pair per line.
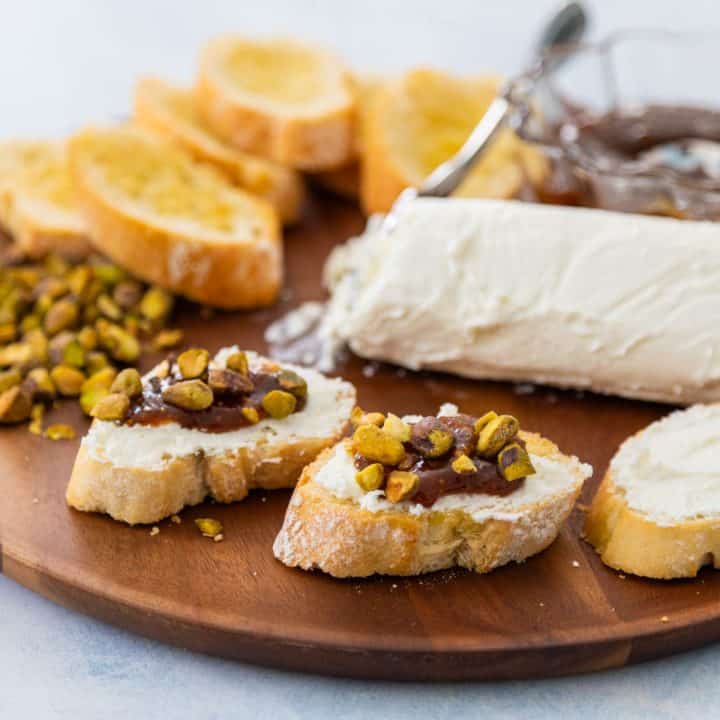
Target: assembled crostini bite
196,427
406,496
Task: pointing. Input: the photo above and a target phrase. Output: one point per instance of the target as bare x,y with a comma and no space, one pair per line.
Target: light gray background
65,63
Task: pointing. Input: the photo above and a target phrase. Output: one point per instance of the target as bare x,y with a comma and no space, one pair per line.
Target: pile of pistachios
65,329
394,447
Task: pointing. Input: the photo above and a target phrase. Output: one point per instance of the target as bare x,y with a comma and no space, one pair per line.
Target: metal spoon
566,26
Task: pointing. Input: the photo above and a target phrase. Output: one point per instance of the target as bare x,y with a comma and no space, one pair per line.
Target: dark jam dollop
224,415
436,475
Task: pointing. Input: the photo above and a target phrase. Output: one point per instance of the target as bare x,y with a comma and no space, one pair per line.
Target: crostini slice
173,221
423,494
172,112
280,99
167,448
657,511
415,122
37,201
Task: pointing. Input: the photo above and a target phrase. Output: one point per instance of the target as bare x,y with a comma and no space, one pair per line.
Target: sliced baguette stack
37,203
173,113
175,222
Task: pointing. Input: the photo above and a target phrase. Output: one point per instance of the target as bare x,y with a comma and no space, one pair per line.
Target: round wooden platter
560,612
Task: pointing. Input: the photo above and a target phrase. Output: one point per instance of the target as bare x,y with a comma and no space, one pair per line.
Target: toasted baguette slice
332,526
175,222
657,511
141,474
37,202
172,112
279,99
416,122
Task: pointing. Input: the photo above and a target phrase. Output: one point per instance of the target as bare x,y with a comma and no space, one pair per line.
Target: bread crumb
664,619
36,501
575,563
541,604
219,537
175,519
155,531
394,586
621,576
263,499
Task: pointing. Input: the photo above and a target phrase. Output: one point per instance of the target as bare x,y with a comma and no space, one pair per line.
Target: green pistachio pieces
371,477
514,462
496,434
278,404
238,362
128,382
15,405
112,407
188,395
193,363
68,380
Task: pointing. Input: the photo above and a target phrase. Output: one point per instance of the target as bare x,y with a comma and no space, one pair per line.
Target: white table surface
66,63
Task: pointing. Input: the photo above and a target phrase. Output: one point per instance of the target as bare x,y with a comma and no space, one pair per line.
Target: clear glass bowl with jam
631,123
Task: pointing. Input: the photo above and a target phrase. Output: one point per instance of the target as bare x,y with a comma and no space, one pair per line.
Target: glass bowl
630,124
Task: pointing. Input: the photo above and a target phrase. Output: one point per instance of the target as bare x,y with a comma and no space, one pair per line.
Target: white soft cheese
613,302
671,470
328,406
552,477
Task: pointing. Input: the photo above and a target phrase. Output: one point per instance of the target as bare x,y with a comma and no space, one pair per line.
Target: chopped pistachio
209,527
128,382
193,363
16,354
59,432
279,404
396,427
514,462
87,337
189,395
431,438
108,274
251,415
496,434
15,405
374,444
238,362
371,477
162,370
68,380
9,378
40,385
463,464
95,360
62,315
359,417
30,322
8,332
103,377
156,304
36,418
293,383
121,345
39,345
109,308
113,406
79,279
91,397
74,354
229,381
482,421
56,265
400,485
167,339
127,294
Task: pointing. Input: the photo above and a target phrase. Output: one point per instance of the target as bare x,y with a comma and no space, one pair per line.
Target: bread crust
627,540
322,531
280,186
139,495
232,275
310,141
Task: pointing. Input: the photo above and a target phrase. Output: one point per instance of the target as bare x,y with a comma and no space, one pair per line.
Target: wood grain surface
559,612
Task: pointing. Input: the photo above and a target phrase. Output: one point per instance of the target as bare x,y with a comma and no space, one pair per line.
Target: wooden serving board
560,612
